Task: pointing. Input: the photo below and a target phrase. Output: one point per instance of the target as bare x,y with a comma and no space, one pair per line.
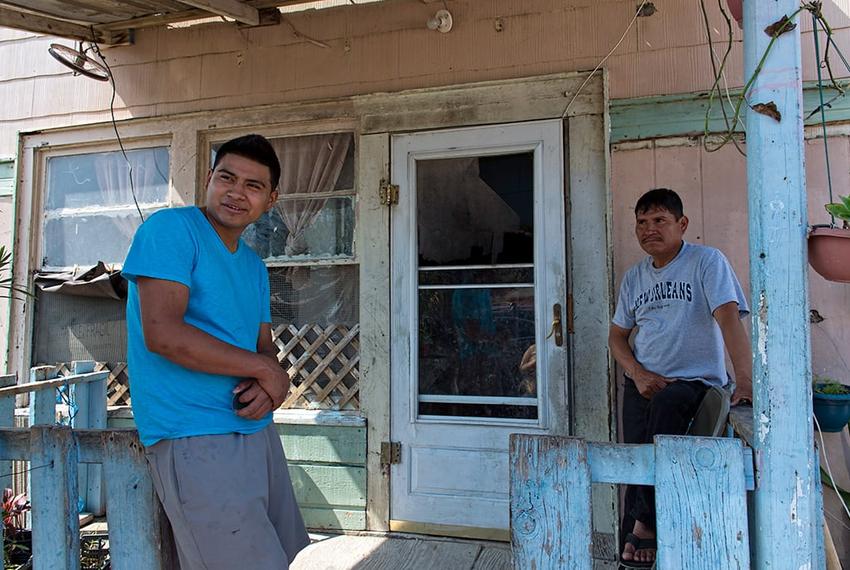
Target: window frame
215,137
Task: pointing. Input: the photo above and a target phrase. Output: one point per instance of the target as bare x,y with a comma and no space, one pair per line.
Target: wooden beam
234,9
784,500
10,17
185,15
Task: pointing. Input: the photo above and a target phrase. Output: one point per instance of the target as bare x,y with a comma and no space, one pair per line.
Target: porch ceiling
112,21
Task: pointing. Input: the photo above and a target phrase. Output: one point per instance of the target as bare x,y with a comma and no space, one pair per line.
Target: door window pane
475,221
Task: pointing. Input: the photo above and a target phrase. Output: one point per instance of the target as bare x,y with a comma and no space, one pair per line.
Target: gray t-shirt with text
677,336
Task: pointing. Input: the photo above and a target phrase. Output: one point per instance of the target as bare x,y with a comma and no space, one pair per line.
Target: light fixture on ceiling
441,21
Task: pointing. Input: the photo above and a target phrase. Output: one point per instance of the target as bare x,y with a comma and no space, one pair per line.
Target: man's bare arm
257,402
738,346
648,383
163,306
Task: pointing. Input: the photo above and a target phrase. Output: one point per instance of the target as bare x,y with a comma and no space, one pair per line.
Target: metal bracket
388,193
390,453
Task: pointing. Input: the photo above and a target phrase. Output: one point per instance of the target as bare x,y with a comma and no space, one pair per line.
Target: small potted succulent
829,246
831,403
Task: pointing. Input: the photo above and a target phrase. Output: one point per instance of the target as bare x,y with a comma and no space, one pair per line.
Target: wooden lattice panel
117,384
323,363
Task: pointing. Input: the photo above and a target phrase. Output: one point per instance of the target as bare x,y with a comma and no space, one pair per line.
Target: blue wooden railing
701,502
106,468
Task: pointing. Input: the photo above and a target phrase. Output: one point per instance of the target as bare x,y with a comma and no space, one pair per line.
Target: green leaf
840,211
846,200
827,480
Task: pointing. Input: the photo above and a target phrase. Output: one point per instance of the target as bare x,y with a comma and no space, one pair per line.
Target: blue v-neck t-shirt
228,299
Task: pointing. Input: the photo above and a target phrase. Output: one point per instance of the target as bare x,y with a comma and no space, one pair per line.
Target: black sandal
638,544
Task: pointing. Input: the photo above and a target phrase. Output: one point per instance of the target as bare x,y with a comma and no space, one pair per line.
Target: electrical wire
828,469
718,74
96,49
604,59
822,111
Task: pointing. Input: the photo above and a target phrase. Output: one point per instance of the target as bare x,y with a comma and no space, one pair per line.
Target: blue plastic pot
831,410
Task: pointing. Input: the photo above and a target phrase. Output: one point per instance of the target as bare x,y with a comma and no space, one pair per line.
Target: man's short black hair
662,199
253,147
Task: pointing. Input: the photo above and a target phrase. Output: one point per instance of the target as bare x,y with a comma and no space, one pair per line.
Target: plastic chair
712,414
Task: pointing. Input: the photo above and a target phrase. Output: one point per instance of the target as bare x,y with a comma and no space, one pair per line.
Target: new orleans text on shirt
665,290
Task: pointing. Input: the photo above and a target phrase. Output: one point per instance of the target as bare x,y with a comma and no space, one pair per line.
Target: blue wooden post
53,476
551,527
7,420
700,500
785,498
90,399
42,402
139,534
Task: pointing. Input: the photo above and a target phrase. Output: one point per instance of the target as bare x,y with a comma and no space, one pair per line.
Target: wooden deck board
401,553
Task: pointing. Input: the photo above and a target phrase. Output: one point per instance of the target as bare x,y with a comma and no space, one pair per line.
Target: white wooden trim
372,231
473,267
494,400
319,418
479,286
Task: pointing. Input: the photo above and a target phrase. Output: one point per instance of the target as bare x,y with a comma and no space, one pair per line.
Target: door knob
557,328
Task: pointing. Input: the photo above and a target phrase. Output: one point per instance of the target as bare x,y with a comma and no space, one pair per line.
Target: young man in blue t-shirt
204,371
684,304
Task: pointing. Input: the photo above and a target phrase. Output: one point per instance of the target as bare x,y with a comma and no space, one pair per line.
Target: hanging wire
822,111
96,49
604,59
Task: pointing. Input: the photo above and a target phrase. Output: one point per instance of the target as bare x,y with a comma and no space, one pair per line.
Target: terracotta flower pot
829,253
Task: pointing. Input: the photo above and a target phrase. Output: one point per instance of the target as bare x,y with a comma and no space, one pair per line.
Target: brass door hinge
388,193
390,452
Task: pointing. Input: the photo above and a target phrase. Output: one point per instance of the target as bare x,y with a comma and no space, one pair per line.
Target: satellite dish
79,60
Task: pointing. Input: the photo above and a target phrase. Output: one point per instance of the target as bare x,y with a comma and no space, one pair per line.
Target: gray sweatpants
229,500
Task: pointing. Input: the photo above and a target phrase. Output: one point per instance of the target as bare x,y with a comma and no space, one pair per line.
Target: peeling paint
764,427
762,328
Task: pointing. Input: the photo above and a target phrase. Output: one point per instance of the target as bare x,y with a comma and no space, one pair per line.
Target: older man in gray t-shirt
683,303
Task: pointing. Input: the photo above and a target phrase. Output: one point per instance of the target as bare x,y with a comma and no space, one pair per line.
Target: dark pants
669,412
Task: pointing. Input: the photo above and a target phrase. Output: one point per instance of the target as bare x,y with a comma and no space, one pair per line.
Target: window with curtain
89,211
307,241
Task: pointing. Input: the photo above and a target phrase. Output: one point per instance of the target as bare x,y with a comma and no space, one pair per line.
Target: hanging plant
829,246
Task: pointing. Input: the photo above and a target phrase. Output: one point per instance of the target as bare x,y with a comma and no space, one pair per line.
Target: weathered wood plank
373,227
782,359
7,420
53,488
136,533
701,503
328,485
334,519
43,400
550,503
90,399
480,104
492,558
46,381
324,444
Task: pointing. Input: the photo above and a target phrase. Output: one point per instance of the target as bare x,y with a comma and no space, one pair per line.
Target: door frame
588,241
545,140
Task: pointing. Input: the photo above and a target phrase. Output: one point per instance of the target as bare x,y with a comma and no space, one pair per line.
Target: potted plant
829,246
17,552
831,403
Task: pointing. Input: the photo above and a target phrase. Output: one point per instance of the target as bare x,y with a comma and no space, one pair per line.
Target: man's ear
683,222
272,200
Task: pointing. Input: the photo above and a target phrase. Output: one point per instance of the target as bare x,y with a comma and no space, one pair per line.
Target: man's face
239,191
659,232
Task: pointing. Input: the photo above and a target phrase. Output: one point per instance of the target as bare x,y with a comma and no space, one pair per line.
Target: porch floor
401,552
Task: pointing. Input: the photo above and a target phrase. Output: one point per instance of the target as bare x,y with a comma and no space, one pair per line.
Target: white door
479,308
